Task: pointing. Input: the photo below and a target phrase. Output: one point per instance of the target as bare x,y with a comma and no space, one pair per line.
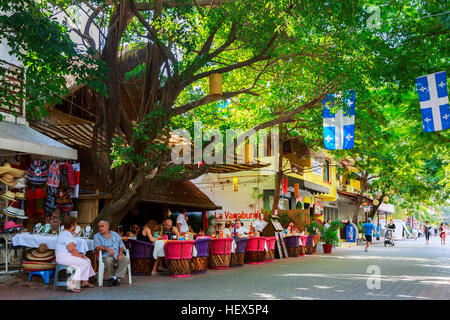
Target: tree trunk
279,174
359,198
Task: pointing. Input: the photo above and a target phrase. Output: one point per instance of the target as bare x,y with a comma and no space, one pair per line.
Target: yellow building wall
314,178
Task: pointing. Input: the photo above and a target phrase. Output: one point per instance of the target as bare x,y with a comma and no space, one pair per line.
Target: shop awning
309,186
20,138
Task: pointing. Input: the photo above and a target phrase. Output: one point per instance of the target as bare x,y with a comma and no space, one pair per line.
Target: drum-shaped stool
141,257
238,257
178,255
199,264
220,255
255,250
303,245
269,254
309,244
292,244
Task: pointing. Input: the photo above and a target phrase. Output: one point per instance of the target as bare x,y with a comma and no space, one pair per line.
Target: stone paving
409,270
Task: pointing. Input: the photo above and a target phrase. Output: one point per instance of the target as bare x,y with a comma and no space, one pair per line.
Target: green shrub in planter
330,235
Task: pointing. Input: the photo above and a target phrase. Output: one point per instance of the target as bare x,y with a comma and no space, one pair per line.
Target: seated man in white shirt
182,225
260,224
240,230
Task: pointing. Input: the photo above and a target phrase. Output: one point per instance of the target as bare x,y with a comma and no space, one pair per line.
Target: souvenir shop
39,185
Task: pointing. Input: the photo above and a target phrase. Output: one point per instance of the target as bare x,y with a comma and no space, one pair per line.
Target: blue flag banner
339,127
433,97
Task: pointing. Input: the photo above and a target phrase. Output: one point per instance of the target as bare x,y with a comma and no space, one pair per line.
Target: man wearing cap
112,246
368,231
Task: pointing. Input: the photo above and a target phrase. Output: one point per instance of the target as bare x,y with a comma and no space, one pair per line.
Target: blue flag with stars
433,97
339,127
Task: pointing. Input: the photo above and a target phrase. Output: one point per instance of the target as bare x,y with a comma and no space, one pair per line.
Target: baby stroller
388,237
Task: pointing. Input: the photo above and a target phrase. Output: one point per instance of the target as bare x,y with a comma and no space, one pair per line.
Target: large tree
310,48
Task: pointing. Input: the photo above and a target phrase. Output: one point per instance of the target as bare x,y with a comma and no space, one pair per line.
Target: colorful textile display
35,204
339,127
433,97
54,175
38,173
76,188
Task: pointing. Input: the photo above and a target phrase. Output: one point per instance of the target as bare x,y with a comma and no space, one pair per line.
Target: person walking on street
427,231
368,232
442,233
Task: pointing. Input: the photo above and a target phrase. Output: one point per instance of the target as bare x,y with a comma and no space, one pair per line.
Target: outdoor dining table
33,240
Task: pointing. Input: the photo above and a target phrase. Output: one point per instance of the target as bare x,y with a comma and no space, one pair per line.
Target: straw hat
38,265
42,253
7,169
15,212
8,179
11,226
8,195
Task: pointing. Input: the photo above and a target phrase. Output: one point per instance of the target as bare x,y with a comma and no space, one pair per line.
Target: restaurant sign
227,215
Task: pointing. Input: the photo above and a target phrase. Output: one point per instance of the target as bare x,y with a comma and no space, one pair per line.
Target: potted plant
329,236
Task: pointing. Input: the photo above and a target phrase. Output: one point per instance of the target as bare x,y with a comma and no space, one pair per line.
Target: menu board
318,206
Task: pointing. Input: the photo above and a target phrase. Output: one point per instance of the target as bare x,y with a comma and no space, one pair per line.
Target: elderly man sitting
112,246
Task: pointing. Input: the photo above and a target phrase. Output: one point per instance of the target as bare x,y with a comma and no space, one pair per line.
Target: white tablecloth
33,240
158,249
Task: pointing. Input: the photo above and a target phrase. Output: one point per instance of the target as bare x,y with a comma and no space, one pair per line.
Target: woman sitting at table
147,232
68,255
228,230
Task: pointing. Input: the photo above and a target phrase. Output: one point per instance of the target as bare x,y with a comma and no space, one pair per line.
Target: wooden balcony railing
11,89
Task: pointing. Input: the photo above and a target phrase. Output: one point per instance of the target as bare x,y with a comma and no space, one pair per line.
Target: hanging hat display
7,169
11,227
15,213
8,195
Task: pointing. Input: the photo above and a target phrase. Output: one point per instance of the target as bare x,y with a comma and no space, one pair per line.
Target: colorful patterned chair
255,250
178,255
220,256
199,264
141,257
238,257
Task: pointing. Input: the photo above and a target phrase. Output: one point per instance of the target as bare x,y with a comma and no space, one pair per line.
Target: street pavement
409,270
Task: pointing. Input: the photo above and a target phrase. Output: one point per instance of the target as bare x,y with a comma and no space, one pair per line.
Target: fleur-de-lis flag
339,127
433,97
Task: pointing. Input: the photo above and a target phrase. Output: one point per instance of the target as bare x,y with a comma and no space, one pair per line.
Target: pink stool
303,245
255,250
269,254
220,256
178,256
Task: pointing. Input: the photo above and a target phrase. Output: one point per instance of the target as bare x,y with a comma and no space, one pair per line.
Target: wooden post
204,221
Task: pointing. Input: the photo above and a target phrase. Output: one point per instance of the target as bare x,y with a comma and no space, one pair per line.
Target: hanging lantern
391,192
215,84
285,185
376,202
385,199
296,190
235,184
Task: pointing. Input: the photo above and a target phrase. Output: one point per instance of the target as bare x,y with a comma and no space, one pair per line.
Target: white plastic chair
101,267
